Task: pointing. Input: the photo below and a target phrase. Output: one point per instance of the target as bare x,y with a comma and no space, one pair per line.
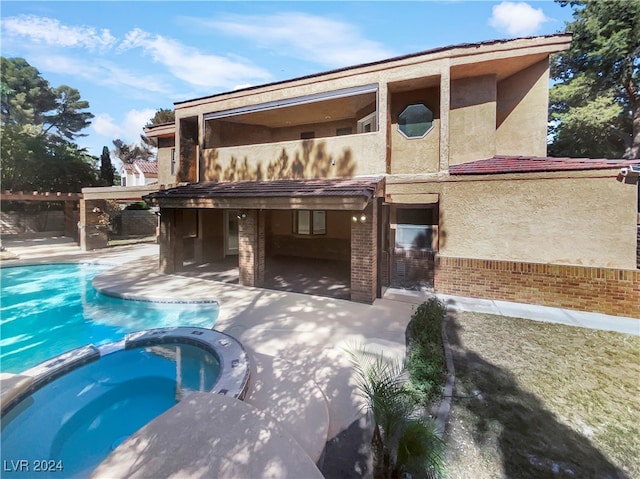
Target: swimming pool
81,405
49,309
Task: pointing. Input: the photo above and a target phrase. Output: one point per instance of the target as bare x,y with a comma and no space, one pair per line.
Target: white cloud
51,32
316,39
128,130
517,19
190,65
134,122
104,125
100,72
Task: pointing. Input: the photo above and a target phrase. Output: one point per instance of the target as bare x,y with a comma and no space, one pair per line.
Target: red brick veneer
601,290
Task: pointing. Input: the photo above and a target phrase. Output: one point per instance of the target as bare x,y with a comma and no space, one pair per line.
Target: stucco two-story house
429,169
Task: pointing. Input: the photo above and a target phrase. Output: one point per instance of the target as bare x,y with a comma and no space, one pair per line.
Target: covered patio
305,235
328,278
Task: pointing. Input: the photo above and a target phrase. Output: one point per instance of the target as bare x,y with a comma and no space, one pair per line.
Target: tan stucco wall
558,220
341,156
522,112
415,155
472,119
467,132
164,167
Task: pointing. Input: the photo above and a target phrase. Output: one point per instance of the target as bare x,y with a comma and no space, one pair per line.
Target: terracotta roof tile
354,187
529,164
147,167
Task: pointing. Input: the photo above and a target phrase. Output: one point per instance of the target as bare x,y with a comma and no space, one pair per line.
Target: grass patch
542,400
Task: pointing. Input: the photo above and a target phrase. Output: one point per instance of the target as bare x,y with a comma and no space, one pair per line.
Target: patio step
286,393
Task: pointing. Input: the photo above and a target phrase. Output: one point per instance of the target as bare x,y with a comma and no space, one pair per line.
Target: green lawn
542,400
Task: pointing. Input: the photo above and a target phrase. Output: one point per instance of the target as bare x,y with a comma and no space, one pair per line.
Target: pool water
49,309
79,418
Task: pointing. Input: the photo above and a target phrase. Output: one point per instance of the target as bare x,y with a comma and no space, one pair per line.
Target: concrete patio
302,390
301,378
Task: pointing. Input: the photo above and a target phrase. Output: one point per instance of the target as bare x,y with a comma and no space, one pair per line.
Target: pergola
69,200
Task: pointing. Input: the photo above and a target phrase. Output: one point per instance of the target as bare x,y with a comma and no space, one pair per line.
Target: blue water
49,309
77,420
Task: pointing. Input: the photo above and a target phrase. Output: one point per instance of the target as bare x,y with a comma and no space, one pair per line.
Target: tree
38,125
107,170
595,104
38,163
28,99
162,116
129,153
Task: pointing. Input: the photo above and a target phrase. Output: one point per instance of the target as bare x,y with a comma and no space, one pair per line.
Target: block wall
600,290
138,223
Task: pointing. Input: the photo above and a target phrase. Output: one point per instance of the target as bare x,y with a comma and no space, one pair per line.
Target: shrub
138,205
402,441
425,357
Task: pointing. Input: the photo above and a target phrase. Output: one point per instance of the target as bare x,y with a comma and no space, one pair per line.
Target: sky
129,59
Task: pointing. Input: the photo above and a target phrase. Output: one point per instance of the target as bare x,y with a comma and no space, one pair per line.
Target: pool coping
106,290
232,381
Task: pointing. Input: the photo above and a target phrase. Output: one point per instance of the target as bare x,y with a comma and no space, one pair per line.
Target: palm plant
402,441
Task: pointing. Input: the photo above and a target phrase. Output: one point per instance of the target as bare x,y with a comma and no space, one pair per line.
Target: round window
415,121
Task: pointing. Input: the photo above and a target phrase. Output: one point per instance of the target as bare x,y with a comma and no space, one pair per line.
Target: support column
94,225
170,241
251,247
364,254
70,220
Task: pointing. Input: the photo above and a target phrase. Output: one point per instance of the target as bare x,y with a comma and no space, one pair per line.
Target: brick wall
601,290
638,249
364,256
251,248
412,268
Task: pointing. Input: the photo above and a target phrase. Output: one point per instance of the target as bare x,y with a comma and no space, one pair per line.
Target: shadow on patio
328,278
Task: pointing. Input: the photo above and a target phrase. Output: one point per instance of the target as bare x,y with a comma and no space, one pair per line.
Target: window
173,161
414,236
414,228
344,131
307,135
307,222
415,121
368,123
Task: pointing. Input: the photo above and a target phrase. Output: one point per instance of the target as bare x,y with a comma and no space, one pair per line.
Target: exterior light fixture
242,216
363,218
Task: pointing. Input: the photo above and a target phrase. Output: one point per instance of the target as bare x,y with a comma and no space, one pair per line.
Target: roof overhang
309,194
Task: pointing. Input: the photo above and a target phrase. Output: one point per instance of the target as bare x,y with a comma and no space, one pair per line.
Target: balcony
326,157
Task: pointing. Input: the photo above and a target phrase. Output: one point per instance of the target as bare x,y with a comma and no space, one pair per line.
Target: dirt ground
533,400
542,400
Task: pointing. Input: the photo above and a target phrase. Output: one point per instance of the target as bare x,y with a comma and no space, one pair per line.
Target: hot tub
84,403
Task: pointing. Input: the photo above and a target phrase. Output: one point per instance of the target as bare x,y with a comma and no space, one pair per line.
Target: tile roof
364,187
147,167
529,164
